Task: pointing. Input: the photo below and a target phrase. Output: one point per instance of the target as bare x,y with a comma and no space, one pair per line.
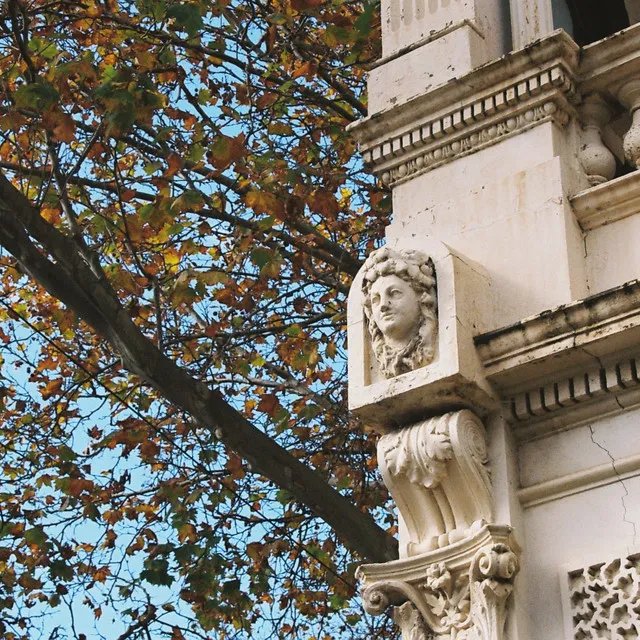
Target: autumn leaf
225,150
174,164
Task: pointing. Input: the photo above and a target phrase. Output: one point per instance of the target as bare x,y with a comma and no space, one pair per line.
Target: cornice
605,64
607,202
568,364
507,96
602,323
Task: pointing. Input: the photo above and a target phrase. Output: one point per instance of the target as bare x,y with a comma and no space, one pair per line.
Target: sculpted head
400,308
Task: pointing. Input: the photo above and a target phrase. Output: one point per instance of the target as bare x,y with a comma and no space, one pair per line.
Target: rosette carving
437,473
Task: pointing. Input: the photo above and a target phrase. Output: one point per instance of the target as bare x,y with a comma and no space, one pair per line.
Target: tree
181,214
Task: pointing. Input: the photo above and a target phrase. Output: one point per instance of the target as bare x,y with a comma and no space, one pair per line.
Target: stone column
471,145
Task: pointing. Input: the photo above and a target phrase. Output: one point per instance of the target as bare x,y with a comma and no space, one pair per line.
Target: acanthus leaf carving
436,472
461,598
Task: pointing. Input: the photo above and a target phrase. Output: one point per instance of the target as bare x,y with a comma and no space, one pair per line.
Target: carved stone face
395,308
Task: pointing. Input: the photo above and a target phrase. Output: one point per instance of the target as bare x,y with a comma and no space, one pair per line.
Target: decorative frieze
488,118
603,600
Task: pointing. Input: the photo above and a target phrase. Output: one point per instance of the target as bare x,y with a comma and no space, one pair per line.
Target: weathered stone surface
519,180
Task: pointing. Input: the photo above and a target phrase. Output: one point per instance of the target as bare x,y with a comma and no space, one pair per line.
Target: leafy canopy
181,215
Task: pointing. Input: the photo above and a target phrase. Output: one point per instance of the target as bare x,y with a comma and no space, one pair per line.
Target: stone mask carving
400,309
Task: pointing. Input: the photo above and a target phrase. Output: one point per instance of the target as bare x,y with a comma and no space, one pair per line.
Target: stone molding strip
580,481
577,324
608,202
486,120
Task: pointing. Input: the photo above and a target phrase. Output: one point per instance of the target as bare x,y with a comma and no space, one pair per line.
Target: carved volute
437,473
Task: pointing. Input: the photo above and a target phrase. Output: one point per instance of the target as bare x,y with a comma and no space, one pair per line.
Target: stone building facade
495,340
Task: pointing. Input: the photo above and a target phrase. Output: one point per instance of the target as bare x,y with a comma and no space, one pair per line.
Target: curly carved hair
416,268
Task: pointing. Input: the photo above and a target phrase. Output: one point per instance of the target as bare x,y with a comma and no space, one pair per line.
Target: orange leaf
175,163
187,532
323,202
270,37
304,69
225,151
305,5
269,404
65,128
52,388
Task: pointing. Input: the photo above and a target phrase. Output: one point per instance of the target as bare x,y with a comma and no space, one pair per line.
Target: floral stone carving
460,598
437,473
400,309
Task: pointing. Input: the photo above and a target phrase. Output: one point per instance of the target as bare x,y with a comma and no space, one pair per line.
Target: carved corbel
437,474
629,96
596,159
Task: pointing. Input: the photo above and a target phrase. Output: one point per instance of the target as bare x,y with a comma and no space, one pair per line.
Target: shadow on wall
591,20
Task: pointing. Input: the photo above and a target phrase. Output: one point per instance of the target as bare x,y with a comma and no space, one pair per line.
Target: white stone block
453,380
401,78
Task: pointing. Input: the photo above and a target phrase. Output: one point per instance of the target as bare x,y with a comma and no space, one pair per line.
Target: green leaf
157,9
261,257
157,572
40,95
187,17
36,536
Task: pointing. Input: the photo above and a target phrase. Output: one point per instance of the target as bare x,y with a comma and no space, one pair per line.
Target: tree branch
71,280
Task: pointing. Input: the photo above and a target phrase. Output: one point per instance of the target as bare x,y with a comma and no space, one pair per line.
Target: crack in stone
620,480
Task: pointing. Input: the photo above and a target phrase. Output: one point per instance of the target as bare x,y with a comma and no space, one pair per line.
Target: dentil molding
500,99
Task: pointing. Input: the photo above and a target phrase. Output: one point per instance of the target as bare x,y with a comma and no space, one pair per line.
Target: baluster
597,160
629,96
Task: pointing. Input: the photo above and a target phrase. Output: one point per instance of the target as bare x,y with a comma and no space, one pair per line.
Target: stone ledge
608,202
520,90
570,337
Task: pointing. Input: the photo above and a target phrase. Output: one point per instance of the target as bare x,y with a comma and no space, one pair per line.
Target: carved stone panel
604,599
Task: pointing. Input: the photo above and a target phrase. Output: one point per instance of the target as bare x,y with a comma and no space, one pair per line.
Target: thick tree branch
68,277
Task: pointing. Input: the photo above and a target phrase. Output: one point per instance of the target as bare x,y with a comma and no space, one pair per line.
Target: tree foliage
181,214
